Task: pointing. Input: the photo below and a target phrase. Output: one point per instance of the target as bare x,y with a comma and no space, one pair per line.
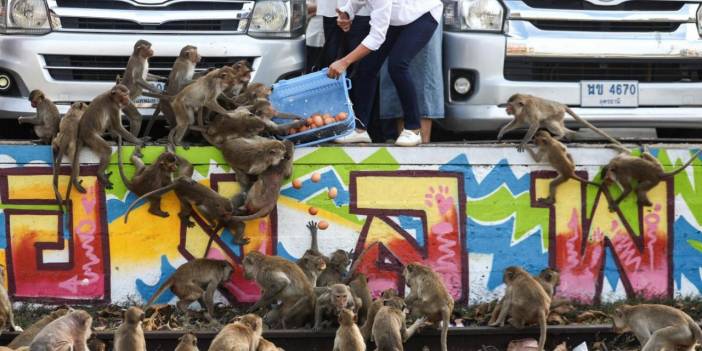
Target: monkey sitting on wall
429,297
70,332
658,327
46,120
130,335
330,303
242,335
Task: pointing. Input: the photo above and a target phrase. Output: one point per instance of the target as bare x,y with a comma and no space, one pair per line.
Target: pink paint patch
215,254
263,226
378,285
442,228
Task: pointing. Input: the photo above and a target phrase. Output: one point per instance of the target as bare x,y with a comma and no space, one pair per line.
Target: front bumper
22,56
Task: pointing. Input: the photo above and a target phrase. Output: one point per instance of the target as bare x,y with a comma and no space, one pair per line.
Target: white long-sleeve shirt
385,13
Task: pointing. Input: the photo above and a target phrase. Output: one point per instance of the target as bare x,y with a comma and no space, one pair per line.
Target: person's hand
311,10
343,20
337,68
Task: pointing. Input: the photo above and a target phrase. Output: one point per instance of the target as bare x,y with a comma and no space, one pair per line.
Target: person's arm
379,22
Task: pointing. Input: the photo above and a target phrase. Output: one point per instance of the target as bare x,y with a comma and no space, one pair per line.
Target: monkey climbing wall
469,212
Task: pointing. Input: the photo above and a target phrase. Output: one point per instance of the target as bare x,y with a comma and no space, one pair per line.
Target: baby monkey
558,157
658,327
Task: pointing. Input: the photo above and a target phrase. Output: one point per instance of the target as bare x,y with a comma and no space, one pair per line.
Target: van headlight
699,20
278,18
474,15
24,17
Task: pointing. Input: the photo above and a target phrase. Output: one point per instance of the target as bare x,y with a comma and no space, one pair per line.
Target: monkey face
252,321
195,58
542,138
35,97
168,162
618,322
389,293
79,106
514,105
346,317
143,49
511,273
120,95
609,175
550,275
340,258
250,263
134,315
340,299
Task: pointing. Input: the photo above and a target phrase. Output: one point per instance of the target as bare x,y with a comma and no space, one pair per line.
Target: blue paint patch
146,291
282,252
413,224
496,240
117,208
500,175
24,154
3,232
228,240
611,271
309,188
686,260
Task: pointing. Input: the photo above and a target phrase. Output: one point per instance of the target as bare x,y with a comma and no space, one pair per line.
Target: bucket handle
348,84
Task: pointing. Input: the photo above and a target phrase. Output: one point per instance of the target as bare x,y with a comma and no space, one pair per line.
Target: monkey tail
542,329
120,165
156,192
696,331
576,177
167,284
57,155
682,168
595,129
260,213
446,317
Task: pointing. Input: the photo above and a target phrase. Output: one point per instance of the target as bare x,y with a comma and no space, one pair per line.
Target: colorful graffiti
468,212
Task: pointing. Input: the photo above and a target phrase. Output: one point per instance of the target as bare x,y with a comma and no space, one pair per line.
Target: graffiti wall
468,212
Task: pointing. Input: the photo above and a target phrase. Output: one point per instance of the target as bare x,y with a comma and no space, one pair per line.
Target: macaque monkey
265,345
658,327
336,269
188,342
7,317
558,157
180,76
25,338
201,93
548,278
646,170
525,301
263,109
239,124
65,143
262,197
313,262
359,287
135,76
373,309
154,176
348,336
252,156
389,329
280,280
536,113
46,121
242,335
429,297
196,280
331,302
215,208
70,332
243,73
102,114
130,335
252,93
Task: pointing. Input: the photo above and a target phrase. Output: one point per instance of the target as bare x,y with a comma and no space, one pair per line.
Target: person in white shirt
399,30
314,38
333,35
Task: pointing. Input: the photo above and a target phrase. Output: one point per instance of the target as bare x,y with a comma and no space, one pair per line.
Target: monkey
201,93
46,121
154,176
348,336
252,156
263,109
243,72
535,112
102,114
130,335
265,345
70,332
181,75
187,342
658,327
242,335
7,317
428,297
196,280
525,301
262,197
389,331
646,170
95,344
548,278
239,124
252,93
280,280
336,269
65,143
135,76
359,288
312,266
331,302
216,209
25,338
559,158
373,309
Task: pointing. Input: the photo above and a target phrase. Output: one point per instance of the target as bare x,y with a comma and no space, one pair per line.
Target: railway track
460,339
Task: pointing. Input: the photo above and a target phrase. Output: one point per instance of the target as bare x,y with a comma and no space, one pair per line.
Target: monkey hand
312,225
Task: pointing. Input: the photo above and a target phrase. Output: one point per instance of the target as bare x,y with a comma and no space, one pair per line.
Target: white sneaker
354,137
408,138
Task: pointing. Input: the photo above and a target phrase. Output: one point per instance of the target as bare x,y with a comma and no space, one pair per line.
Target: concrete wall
468,212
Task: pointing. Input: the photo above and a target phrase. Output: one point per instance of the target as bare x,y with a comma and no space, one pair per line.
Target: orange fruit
316,177
313,211
297,184
323,225
332,193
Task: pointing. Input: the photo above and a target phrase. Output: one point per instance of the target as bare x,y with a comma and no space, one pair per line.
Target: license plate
609,93
145,101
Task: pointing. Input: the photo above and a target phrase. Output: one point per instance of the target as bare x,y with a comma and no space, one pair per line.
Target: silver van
619,63
74,49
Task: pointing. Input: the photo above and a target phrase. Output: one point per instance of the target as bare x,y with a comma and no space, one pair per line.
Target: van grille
180,6
574,70
638,5
106,68
115,24
597,26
